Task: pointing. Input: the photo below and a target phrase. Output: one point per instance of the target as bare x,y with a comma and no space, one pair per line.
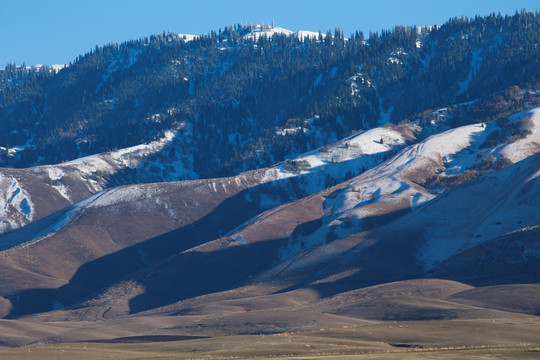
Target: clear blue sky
56,31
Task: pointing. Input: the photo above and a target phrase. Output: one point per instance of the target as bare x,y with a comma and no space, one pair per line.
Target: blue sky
56,31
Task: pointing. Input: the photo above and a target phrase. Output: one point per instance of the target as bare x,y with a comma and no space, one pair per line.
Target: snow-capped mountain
259,182
265,30
220,92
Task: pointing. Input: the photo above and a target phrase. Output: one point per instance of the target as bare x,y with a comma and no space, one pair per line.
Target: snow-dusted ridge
362,150
396,180
95,168
312,35
52,68
359,151
101,199
270,30
28,194
266,30
351,155
387,183
71,214
396,185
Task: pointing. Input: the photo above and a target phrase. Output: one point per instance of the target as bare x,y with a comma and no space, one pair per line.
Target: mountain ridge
241,191
241,75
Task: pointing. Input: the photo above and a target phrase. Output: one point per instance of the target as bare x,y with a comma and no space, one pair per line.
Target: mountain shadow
100,273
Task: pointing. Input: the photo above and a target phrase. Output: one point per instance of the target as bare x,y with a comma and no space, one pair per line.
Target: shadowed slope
512,258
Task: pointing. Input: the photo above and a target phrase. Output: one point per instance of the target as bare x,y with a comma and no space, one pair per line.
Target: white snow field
261,30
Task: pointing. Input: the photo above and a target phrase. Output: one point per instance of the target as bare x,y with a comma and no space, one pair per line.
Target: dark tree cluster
229,94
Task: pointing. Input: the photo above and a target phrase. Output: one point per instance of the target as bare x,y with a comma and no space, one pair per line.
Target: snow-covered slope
346,158
304,35
314,171
135,224
397,184
80,178
29,194
97,170
270,30
267,31
391,190
496,204
514,257
412,245
528,120
257,31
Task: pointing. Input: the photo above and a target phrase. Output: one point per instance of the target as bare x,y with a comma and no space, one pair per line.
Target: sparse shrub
97,175
66,180
468,175
443,182
485,164
296,166
492,139
502,163
325,149
491,163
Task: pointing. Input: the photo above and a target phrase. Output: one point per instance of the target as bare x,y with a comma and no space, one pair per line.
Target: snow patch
291,131
187,37
56,176
385,115
418,199
19,200
239,238
261,30
529,145
355,80
303,35
69,216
